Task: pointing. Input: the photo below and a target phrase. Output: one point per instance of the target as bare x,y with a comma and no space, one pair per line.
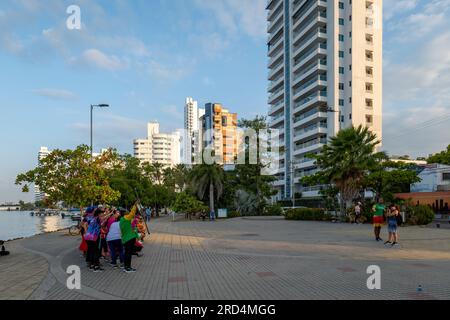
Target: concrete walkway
243,258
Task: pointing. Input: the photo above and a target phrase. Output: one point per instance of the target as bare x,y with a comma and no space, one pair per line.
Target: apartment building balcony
316,82
318,19
279,183
305,163
276,96
300,10
275,45
279,32
274,24
276,120
318,52
319,67
276,8
317,98
311,41
276,58
309,147
312,131
312,116
276,84
276,71
276,107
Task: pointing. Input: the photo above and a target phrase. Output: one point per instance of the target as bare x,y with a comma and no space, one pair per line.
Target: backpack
399,219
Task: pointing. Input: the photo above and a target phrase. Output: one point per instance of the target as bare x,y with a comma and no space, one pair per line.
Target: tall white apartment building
158,147
38,195
192,126
325,74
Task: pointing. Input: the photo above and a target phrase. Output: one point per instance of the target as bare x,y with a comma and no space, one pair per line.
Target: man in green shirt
378,218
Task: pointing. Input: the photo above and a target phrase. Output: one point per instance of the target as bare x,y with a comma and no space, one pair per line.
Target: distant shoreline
36,235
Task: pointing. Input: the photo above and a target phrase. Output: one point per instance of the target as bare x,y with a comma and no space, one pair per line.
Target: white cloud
394,7
174,112
56,94
235,16
98,59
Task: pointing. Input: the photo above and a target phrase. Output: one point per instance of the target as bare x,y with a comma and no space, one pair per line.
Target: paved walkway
243,258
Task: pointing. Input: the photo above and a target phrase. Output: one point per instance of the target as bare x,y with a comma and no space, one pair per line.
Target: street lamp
92,109
330,109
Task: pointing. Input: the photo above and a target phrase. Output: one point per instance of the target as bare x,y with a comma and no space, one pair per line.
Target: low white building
435,177
163,148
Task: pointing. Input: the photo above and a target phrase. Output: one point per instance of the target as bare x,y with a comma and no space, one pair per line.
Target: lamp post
92,109
339,112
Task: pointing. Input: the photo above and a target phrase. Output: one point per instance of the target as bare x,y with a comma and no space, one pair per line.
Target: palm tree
208,177
346,161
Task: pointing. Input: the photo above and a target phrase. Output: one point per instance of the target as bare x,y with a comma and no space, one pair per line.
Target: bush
273,210
419,215
308,214
234,214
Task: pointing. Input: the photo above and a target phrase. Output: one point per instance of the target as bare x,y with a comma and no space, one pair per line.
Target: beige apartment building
325,74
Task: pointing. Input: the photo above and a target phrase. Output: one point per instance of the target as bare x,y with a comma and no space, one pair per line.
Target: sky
144,57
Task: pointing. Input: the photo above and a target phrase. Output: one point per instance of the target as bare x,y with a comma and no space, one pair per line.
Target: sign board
223,213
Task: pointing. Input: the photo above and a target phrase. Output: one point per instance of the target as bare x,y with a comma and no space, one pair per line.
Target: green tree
441,157
73,177
188,204
205,177
345,162
391,177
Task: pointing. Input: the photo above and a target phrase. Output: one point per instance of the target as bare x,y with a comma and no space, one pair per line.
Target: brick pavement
249,258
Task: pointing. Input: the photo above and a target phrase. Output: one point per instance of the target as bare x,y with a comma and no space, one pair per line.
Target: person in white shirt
114,239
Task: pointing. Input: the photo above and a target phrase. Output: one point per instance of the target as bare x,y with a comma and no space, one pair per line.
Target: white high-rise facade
192,126
158,147
38,195
325,74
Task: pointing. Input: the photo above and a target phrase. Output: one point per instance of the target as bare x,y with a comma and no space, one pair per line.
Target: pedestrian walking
358,209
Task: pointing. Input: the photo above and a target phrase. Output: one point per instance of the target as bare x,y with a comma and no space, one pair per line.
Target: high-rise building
38,195
158,147
192,125
325,74
219,132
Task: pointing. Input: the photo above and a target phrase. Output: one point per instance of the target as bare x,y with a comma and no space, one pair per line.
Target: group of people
390,214
113,234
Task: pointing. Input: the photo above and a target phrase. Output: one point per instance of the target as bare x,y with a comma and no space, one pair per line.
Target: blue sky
145,56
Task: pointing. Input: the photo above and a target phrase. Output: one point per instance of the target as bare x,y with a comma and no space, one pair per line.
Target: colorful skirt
83,246
378,221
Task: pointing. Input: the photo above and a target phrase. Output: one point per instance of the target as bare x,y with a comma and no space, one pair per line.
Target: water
16,224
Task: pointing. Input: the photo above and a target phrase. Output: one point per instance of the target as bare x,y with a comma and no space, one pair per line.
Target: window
350,67
350,34
369,119
369,87
350,50
341,70
341,38
342,118
350,116
341,102
341,86
350,100
350,18
369,103
350,84
341,21
341,54
446,176
341,5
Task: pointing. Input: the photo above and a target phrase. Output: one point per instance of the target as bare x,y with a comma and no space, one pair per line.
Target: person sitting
3,252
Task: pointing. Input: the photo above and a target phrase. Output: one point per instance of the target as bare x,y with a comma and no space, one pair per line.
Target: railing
311,97
321,77
276,92
310,143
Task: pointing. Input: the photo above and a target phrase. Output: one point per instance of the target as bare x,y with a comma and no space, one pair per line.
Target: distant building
38,195
219,132
435,177
163,148
192,125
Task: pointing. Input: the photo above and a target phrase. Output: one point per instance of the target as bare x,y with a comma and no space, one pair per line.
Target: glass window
341,21
341,102
341,5
341,70
341,38
341,54
341,86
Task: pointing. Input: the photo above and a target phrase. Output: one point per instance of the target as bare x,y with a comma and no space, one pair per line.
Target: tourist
83,246
114,239
392,216
3,252
129,237
92,238
148,214
378,218
212,215
358,209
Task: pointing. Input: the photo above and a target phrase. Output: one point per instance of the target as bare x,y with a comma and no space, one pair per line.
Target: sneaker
113,265
98,269
91,268
395,244
122,266
129,270
387,242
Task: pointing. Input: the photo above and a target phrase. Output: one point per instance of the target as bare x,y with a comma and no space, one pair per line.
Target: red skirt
83,246
378,221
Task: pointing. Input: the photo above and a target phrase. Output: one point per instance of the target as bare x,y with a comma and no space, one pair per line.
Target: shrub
308,214
273,210
419,215
234,214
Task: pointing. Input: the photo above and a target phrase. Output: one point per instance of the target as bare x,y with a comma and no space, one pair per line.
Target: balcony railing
311,97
